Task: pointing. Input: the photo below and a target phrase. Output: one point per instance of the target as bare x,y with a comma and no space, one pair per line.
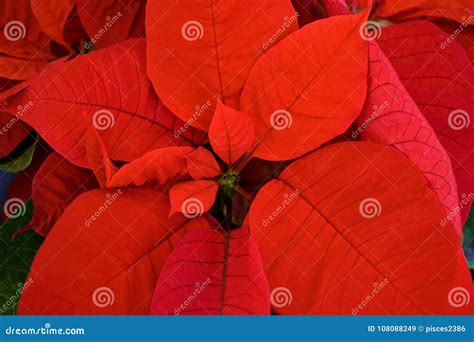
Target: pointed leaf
351,219
155,167
112,88
231,133
19,163
202,164
221,271
391,117
56,184
200,51
193,198
301,95
109,247
440,82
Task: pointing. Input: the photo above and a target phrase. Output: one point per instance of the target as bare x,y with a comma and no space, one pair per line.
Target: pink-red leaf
231,133
111,87
225,39
104,255
354,220
438,75
221,271
193,198
336,7
391,117
301,95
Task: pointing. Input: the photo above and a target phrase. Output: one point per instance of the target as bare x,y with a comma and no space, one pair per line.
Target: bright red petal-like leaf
225,39
202,164
111,87
108,22
193,198
231,133
104,255
59,19
221,271
458,10
156,167
56,184
301,95
438,75
24,49
354,220
391,117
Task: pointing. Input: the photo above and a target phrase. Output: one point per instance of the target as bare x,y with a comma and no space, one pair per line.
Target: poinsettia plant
241,157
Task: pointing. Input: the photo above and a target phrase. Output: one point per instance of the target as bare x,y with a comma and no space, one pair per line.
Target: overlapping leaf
226,38
221,271
354,220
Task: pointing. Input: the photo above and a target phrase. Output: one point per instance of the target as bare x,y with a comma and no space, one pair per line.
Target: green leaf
16,257
21,162
468,239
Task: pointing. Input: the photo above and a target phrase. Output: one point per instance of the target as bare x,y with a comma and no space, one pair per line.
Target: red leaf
200,51
193,198
391,117
12,133
351,218
112,88
336,7
106,265
156,167
59,19
301,95
457,10
440,82
221,271
202,164
24,49
56,184
108,22
231,133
